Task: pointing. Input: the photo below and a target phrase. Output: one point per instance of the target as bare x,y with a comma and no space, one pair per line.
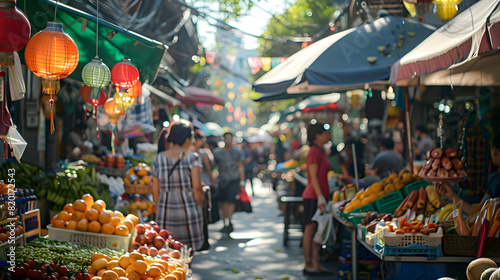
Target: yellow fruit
112,264
89,200
119,215
91,270
80,205
393,176
115,258
178,274
95,278
108,228
99,264
133,206
124,261
100,272
134,219
101,202
128,223
182,271
109,275
134,256
104,217
170,277
82,225
146,180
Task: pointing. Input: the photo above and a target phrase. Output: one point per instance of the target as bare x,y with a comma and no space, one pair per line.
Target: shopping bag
325,234
243,202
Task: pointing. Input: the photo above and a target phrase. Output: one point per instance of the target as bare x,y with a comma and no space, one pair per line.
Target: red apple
151,236
140,228
175,254
164,233
163,251
159,242
134,246
143,250
176,245
156,228
153,252
165,257
147,226
141,239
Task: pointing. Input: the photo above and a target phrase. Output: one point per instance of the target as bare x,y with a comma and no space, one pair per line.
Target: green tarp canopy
145,53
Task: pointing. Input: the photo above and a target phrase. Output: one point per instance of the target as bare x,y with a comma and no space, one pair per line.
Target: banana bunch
444,212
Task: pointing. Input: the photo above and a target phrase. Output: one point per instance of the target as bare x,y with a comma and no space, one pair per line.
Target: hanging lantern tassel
51,102
50,87
96,122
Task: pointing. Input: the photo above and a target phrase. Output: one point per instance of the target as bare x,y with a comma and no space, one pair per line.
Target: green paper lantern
96,75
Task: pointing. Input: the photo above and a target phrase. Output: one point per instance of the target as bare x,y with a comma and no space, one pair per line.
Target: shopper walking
231,177
177,190
250,158
315,195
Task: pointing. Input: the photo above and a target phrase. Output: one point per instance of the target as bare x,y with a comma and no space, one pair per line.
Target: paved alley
255,249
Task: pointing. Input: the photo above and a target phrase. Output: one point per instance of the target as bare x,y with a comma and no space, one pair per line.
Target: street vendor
493,189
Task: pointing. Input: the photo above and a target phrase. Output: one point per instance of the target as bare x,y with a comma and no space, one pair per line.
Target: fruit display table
354,233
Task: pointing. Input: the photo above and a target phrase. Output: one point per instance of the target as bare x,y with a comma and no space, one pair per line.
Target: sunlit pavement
255,249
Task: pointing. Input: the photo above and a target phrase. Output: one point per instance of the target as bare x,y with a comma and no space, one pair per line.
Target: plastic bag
325,234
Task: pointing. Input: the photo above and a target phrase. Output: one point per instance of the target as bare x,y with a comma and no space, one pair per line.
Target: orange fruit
104,217
99,264
97,206
111,212
129,224
133,218
89,200
108,228
63,215
177,274
59,224
92,215
80,205
170,277
100,201
154,271
56,217
109,275
101,272
122,230
78,215
112,264
116,221
82,225
94,226
124,261
97,256
71,225
120,271
140,266
135,256
119,215
69,208
133,276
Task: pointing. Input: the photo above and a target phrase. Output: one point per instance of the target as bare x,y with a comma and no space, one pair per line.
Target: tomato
33,274
32,263
62,270
64,278
79,276
19,271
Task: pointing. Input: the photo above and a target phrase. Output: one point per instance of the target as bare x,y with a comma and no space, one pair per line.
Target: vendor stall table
397,259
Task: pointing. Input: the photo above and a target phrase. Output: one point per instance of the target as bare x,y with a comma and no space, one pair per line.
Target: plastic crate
389,202
356,219
410,250
392,239
460,245
415,186
90,239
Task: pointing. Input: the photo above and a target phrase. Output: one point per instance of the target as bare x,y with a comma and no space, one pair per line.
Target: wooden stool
291,203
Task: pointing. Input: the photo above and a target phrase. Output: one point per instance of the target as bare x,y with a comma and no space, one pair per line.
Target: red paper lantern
85,93
124,75
15,31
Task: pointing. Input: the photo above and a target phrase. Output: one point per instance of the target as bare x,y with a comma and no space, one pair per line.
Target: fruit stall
88,234
407,224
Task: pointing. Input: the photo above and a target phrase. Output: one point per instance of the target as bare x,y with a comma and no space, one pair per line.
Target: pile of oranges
134,266
138,175
85,214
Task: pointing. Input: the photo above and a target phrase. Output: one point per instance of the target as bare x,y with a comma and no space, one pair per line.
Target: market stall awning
317,102
347,60
199,96
115,42
472,33
169,99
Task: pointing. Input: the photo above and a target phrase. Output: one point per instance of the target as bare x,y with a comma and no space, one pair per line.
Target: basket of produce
462,245
442,165
138,179
393,239
90,239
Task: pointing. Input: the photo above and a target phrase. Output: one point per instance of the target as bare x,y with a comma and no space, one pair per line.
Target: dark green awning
145,53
